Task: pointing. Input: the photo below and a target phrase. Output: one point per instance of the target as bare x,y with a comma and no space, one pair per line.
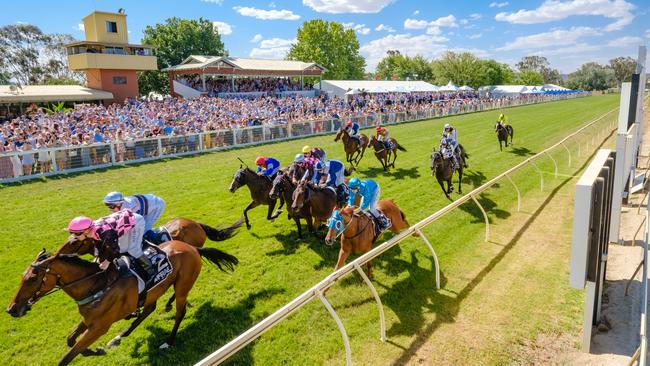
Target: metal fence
21,165
596,129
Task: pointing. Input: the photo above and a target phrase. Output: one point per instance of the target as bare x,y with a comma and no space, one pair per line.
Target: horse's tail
465,154
224,261
399,147
221,234
348,172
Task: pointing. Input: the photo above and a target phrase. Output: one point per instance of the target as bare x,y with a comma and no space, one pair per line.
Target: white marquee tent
342,87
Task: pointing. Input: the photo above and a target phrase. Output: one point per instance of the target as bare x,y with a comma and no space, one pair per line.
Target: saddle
376,225
128,266
357,138
157,236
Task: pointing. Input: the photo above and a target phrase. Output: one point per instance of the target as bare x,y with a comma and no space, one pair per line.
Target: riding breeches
372,202
156,209
131,242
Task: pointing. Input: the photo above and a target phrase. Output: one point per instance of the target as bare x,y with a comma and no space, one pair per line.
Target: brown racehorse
259,187
116,297
502,134
354,148
443,170
320,201
357,231
282,185
383,154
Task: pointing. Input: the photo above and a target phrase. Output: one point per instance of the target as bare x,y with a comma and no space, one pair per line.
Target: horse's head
37,280
277,187
338,134
300,196
335,227
239,179
436,161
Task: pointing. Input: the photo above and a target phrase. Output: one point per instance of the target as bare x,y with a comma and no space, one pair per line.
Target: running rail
317,290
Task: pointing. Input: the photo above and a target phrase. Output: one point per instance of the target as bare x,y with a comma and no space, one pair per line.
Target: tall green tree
495,73
592,76
623,68
331,46
540,65
175,40
399,67
529,77
460,68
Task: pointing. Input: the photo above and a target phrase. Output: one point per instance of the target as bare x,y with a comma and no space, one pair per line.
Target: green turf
274,267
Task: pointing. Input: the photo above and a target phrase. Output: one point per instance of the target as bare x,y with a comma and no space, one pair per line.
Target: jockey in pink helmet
123,229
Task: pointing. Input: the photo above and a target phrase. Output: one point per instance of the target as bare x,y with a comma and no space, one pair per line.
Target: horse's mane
77,260
349,210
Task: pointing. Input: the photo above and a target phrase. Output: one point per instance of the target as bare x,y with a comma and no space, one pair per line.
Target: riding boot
385,222
455,161
147,266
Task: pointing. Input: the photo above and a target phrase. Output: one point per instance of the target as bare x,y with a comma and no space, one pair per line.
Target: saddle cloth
127,266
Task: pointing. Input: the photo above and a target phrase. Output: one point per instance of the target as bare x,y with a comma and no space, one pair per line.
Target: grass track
274,268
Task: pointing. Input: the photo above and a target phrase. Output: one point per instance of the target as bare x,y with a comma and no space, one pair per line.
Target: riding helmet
114,197
260,160
354,183
306,149
79,224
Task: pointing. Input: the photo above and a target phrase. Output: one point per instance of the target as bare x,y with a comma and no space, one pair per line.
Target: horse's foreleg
281,205
250,206
343,255
87,338
181,309
460,180
269,214
299,226
168,306
394,158
72,337
442,185
125,333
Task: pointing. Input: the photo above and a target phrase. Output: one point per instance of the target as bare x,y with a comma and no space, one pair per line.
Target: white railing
317,291
76,158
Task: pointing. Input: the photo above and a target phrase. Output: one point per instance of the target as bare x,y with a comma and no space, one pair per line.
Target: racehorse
354,148
320,201
443,170
502,134
282,185
383,154
357,232
296,171
104,297
259,187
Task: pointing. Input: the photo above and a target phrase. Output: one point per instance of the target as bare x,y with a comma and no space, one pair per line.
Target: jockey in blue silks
369,191
267,166
331,174
352,128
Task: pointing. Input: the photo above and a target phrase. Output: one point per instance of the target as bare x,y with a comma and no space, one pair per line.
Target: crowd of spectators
179,121
269,86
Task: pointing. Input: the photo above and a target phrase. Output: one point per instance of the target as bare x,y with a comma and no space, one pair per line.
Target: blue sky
567,32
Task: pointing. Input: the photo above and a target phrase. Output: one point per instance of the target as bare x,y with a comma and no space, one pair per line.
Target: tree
460,68
399,67
175,40
623,68
331,46
33,57
495,73
540,65
592,76
529,77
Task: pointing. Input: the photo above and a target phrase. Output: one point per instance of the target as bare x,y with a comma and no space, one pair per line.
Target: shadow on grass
202,332
488,205
409,309
475,178
521,151
395,173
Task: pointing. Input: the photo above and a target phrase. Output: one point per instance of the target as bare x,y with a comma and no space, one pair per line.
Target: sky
567,32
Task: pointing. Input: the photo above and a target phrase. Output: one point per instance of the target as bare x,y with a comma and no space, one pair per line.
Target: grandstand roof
50,93
225,65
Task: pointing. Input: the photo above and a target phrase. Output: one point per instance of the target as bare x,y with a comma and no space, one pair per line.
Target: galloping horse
282,185
383,154
104,297
502,134
259,188
357,232
443,170
354,148
320,201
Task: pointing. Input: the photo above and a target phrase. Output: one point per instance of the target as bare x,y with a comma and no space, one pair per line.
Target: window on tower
111,27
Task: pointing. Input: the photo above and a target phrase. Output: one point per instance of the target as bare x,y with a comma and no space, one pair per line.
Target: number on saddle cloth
129,266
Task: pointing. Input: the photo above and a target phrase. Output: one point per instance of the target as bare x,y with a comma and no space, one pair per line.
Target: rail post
339,323
487,222
382,321
568,152
541,175
518,193
433,253
554,162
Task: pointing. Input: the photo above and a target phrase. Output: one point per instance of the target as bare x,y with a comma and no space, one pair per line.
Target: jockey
331,174
382,134
352,128
447,149
501,121
312,155
370,192
450,131
148,206
267,167
121,230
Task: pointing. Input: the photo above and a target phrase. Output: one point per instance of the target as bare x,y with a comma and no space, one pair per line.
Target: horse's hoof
248,226
168,308
114,342
100,351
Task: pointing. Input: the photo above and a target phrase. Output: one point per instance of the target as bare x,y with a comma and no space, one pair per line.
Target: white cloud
475,16
383,27
256,38
359,28
576,49
217,2
476,36
448,21
434,31
625,42
464,21
81,27
407,44
347,6
275,48
552,10
559,37
498,5
416,12
276,42
647,33
266,14
223,28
